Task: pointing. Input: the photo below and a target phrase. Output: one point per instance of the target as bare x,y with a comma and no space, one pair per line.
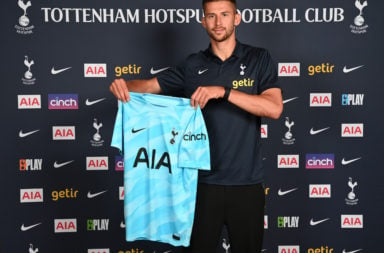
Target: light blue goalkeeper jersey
164,141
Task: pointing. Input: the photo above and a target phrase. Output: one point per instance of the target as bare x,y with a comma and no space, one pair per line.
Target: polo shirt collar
237,52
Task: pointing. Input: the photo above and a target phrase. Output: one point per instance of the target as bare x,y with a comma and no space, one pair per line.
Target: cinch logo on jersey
352,130
194,137
288,221
98,251
288,249
64,194
63,133
265,221
97,224
29,101
287,161
264,131
320,161
119,163
65,225
351,221
324,68
95,70
30,164
31,195
121,192
319,190
130,69
97,162
320,99
63,102
352,99
289,69
322,249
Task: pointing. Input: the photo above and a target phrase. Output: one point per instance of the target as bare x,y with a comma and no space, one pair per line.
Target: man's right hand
119,89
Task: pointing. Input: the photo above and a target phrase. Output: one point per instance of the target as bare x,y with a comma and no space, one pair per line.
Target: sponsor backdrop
61,182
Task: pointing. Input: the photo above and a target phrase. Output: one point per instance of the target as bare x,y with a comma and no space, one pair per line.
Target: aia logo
65,225
351,221
63,133
289,69
289,249
95,70
320,99
287,161
98,251
121,192
319,190
31,195
264,131
29,101
97,163
265,221
352,130
30,164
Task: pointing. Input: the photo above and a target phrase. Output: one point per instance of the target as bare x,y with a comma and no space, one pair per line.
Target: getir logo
30,164
130,69
352,130
264,131
133,251
64,194
289,69
351,221
95,70
97,162
65,225
31,195
287,161
98,251
288,249
29,101
324,68
319,190
320,161
322,249
63,133
63,102
320,99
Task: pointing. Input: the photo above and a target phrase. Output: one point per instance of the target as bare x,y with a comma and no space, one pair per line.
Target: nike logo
282,193
23,135
89,102
202,71
59,165
347,70
154,72
137,130
314,132
289,100
25,228
93,195
314,223
353,251
122,224
58,71
346,162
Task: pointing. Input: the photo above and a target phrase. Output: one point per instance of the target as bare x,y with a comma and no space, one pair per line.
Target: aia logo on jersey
320,99
351,221
98,251
97,163
63,133
31,195
287,161
65,225
352,130
289,69
288,249
121,192
319,190
264,131
95,70
29,101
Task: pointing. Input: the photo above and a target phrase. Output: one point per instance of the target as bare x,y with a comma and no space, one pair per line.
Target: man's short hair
207,1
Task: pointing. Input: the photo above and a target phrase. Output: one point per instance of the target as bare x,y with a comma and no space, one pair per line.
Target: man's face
220,19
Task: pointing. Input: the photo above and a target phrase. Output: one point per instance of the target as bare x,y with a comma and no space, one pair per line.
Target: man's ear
203,22
237,19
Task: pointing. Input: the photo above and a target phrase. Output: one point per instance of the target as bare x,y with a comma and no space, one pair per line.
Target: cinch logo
288,249
63,133
320,99
121,192
265,221
246,82
98,251
322,249
97,224
288,221
319,190
324,68
65,225
287,161
97,163
130,69
264,131
95,70
351,221
30,164
119,163
320,161
31,195
64,194
194,137
29,101
63,102
289,69
352,130
352,99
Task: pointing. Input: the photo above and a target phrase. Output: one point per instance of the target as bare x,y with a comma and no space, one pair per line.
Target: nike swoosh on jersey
59,165
23,135
137,130
26,228
154,72
353,251
347,70
89,102
58,71
314,223
346,162
93,195
289,100
282,193
314,132
202,71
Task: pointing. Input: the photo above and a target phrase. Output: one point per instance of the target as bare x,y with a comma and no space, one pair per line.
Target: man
234,85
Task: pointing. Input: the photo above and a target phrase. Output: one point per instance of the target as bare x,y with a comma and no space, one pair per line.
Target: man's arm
121,88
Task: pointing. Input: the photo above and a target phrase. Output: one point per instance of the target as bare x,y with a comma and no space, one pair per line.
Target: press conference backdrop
62,182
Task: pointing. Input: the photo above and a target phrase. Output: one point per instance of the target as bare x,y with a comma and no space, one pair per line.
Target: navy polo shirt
234,134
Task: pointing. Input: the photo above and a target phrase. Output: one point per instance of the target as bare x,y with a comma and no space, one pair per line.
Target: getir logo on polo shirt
97,163
63,133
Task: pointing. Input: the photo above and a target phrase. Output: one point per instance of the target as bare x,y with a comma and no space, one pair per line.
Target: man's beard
221,38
